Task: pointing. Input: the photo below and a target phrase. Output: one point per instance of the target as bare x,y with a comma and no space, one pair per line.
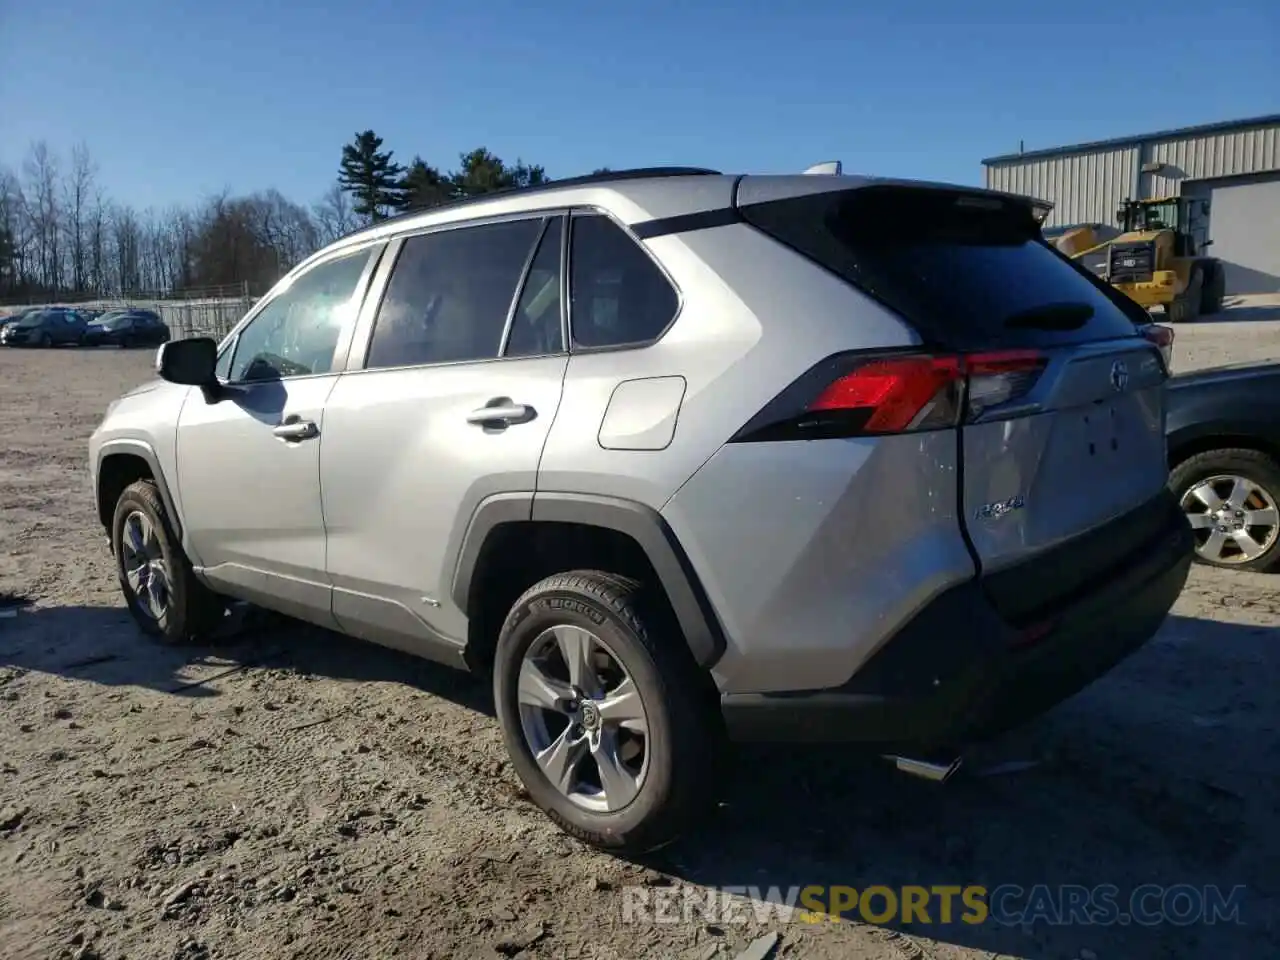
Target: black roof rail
637,173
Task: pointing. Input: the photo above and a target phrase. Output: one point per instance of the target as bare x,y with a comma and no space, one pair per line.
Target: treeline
63,238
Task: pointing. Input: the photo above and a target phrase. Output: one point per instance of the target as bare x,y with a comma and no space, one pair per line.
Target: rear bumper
976,662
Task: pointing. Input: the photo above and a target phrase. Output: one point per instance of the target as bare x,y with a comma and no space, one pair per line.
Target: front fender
132,447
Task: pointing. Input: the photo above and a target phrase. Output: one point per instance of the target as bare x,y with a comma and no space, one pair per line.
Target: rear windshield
967,271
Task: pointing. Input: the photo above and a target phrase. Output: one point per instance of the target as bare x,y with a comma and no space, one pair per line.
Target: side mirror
190,362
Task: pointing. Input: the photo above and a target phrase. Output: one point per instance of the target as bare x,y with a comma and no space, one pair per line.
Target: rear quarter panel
814,553
753,316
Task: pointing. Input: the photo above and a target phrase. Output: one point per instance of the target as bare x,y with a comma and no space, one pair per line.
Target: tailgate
1039,365
1083,447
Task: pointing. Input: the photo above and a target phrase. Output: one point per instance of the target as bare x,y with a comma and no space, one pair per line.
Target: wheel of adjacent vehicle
159,587
1215,288
1194,293
609,723
1230,498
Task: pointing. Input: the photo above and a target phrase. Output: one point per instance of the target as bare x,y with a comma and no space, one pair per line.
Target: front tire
156,578
1230,499
610,725
1186,306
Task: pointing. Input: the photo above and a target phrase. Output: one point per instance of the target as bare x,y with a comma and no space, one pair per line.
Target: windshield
1157,216
114,321
32,320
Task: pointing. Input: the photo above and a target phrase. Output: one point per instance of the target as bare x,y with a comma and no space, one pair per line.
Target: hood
142,388
1138,236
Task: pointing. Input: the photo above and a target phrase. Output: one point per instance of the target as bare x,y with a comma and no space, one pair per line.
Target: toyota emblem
1119,376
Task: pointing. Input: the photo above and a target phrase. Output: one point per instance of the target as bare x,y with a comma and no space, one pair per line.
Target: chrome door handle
295,430
501,413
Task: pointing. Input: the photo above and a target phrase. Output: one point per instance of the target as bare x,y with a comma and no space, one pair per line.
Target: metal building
1236,165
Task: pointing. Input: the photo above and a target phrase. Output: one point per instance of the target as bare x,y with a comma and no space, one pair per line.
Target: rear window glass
967,272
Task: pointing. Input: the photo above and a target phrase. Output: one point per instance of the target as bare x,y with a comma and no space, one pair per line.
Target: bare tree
76,198
41,193
333,215
13,236
99,238
126,243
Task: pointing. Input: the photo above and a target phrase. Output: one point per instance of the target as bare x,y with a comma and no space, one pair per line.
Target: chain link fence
195,313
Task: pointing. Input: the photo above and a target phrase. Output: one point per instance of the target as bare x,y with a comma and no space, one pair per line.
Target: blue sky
178,99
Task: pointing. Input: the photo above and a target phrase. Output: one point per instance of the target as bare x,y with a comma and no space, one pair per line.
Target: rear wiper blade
1052,316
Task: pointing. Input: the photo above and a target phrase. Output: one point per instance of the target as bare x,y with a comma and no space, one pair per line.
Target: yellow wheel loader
1156,258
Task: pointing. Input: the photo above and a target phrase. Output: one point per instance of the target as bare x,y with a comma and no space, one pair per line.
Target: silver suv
675,457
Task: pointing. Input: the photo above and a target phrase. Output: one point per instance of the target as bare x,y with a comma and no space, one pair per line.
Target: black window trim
373,252
505,340
358,357
574,347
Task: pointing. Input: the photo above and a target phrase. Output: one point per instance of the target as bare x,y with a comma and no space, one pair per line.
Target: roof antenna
831,168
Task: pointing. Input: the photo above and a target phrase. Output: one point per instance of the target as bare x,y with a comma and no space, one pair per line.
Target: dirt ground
296,794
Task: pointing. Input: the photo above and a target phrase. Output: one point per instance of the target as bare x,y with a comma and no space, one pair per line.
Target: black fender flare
643,524
145,452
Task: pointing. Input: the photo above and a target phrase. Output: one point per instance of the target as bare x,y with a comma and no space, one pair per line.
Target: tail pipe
926,769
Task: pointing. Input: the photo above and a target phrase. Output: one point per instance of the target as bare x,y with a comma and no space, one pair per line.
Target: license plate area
1100,430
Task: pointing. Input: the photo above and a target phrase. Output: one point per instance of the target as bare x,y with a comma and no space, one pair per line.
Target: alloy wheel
144,564
1235,519
583,719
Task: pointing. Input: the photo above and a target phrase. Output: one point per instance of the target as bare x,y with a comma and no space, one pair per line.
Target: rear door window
450,293
967,271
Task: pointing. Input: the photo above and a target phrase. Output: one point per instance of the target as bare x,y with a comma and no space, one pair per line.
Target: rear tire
621,789
1204,483
1186,306
1215,288
156,578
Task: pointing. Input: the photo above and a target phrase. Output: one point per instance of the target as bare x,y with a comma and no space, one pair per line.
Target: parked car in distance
1224,453
673,456
16,316
47,327
126,328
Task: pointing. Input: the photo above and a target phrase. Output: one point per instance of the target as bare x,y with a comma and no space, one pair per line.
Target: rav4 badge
1000,508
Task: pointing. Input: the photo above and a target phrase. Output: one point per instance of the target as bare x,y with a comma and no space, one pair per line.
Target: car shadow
1242,314
1111,790
1104,790
103,645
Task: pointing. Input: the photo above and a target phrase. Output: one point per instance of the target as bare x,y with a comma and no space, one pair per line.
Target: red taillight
898,394
996,378
1162,337
894,393
1159,334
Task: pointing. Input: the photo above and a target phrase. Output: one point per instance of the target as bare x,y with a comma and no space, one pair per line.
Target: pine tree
371,177
423,186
